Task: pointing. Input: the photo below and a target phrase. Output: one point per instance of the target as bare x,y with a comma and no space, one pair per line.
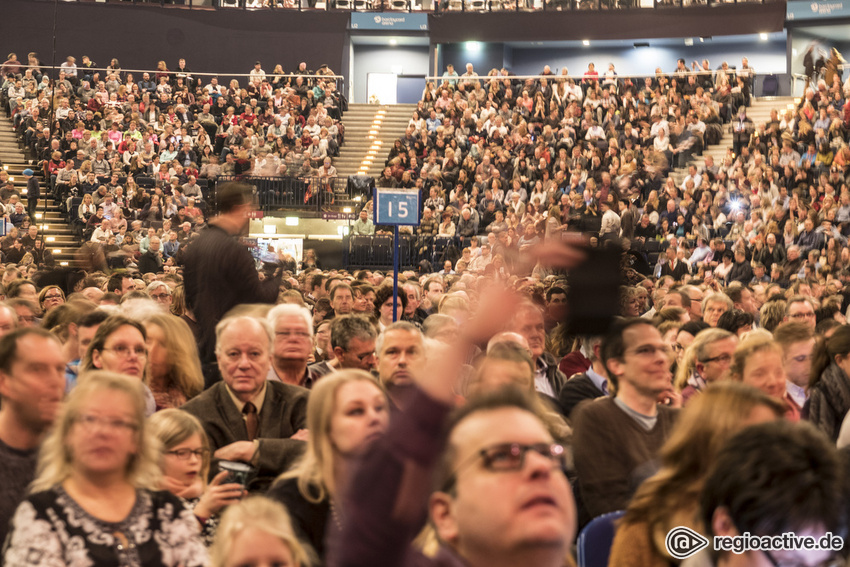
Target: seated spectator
705,360
174,373
670,498
292,346
185,463
97,501
772,479
247,418
829,387
347,411
32,385
353,343
587,385
257,531
758,362
613,459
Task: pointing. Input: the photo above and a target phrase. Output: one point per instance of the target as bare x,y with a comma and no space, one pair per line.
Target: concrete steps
758,112
58,234
370,131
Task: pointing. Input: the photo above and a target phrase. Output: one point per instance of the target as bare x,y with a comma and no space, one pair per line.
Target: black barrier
306,194
376,252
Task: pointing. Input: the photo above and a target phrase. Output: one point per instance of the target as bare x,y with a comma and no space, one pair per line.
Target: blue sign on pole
396,207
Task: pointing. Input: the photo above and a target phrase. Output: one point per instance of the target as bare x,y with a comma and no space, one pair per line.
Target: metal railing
376,252
435,6
308,194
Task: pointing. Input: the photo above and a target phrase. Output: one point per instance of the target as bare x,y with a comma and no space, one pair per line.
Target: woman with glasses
49,297
346,412
175,370
96,498
120,345
185,464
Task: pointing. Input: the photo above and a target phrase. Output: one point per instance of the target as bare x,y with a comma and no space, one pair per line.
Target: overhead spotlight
585,42
763,36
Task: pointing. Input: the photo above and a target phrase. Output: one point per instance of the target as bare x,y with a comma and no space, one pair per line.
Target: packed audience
147,146
219,410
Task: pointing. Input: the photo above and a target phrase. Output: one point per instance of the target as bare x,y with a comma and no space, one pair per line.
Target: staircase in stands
370,131
58,234
758,112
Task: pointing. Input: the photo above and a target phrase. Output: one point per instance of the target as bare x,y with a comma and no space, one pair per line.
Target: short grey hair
290,310
227,321
155,285
344,328
399,326
717,298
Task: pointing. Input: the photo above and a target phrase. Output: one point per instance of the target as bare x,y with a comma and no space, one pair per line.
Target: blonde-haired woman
185,464
759,362
175,371
257,531
95,500
346,412
670,498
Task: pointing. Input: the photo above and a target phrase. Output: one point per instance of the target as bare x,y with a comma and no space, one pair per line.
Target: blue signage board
389,21
396,207
798,10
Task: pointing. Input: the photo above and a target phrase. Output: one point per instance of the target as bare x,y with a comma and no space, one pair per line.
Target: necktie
251,421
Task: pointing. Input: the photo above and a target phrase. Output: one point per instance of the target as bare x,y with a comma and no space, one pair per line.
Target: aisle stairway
370,131
758,112
58,234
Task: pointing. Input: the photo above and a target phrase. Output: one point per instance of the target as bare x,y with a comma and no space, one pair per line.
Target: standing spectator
33,193
219,272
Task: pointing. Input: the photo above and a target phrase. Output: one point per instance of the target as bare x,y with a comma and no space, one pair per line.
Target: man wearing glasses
292,345
616,438
353,342
502,497
801,309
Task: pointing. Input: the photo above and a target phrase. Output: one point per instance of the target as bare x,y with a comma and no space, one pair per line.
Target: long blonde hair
259,513
184,367
315,470
56,461
172,427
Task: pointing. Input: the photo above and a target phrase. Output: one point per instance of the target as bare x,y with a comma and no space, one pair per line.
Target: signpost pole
396,253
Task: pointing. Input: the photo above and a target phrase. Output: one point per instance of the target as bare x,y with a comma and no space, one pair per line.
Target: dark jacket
150,262
829,401
577,389
219,275
284,412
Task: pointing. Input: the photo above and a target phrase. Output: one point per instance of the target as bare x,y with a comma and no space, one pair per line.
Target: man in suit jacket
247,418
673,266
588,385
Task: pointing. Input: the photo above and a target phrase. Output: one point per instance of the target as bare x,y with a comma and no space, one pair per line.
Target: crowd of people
225,411
121,147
